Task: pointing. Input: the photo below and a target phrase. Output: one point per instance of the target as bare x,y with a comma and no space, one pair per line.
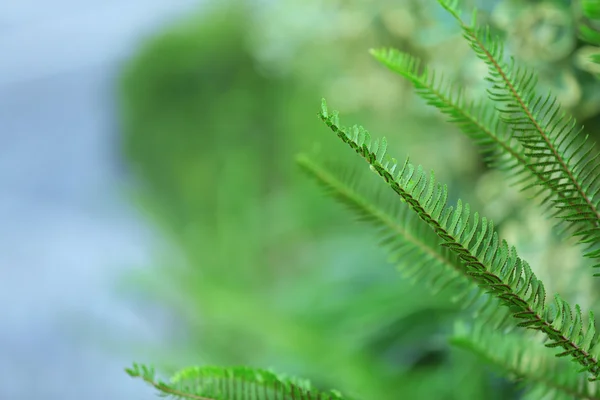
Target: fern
551,138
448,246
398,228
242,383
478,120
493,265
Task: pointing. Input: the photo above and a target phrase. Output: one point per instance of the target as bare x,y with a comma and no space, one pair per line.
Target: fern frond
519,357
494,265
478,121
411,244
552,139
220,383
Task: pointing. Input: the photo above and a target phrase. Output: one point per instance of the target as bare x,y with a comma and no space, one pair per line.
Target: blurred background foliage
260,268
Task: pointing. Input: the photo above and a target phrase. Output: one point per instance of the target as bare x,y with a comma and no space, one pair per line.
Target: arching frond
494,265
221,383
552,139
412,245
522,359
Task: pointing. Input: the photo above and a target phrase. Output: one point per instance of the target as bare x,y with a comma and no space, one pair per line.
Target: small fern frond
411,244
552,139
494,266
520,359
220,383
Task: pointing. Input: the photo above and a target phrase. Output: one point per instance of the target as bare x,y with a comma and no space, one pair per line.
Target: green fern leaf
479,121
220,383
493,265
552,139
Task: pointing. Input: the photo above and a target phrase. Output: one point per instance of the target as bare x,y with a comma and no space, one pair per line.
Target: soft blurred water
67,232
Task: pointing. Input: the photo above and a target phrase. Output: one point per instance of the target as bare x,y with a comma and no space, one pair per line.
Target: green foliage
417,251
450,249
257,247
551,155
223,189
243,383
550,138
491,263
478,120
590,10
522,359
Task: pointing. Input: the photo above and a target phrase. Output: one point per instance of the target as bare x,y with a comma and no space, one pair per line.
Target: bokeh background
151,208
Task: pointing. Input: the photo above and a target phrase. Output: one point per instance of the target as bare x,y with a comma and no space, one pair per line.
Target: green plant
452,249
205,383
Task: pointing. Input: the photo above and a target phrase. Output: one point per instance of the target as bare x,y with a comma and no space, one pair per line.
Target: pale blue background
67,231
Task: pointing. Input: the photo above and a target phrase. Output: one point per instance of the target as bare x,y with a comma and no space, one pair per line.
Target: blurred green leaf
591,8
589,35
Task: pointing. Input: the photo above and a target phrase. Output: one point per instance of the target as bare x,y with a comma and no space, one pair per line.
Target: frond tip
226,383
493,265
